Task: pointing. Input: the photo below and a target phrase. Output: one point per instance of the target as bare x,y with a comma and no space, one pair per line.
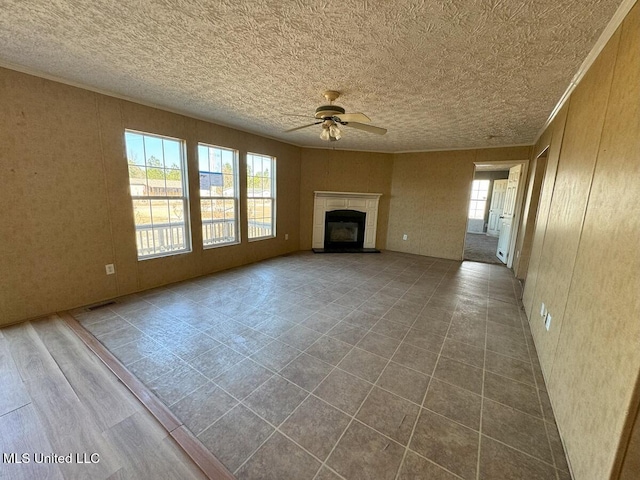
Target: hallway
479,247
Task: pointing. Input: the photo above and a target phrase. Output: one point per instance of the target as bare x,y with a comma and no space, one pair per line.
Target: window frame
185,194
273,197
236,196
476,197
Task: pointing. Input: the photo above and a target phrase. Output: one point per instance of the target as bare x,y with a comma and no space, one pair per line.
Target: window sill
162,255
257,239
219,245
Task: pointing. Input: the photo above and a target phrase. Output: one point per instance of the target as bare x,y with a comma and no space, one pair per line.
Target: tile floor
379,366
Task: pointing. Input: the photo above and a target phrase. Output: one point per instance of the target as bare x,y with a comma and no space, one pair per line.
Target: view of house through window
261,193
218,195
479,194
157,182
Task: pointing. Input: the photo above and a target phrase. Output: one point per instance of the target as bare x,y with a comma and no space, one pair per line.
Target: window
218,195
478,204
261,196
157,182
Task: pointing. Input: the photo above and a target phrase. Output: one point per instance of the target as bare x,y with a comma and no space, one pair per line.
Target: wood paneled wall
66,209
344,171
585,260
430,196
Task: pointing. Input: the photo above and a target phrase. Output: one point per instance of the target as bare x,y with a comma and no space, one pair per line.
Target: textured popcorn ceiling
436,74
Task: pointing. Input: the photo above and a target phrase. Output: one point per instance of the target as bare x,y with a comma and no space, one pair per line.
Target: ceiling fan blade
354,117
304,126
367,128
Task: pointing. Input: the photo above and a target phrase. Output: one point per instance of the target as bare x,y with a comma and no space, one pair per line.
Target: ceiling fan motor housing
329,111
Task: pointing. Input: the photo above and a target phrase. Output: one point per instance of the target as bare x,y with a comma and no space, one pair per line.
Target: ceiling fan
332,116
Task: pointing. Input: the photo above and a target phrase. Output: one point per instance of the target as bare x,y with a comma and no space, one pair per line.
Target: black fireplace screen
344,229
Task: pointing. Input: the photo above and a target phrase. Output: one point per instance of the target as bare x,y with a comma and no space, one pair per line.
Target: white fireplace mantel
362,202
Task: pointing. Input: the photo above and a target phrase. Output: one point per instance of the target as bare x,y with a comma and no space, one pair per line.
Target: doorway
480,247
530,215
494,203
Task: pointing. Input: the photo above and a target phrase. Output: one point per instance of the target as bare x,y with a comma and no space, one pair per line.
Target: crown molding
108,93
488,147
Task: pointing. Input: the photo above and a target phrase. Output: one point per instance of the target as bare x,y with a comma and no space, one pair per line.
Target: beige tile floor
351,366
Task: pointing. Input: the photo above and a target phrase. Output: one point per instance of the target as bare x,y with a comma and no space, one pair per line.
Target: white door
497,205
508,211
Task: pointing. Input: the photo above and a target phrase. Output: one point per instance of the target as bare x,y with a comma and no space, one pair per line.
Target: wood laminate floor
57,397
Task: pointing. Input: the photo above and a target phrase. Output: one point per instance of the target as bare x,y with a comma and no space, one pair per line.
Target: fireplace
344,229
347,221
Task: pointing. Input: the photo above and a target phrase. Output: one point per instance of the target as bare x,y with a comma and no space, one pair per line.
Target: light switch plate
405,236
110,269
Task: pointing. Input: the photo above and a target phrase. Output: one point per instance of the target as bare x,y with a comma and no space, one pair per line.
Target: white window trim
272,198
185,198
236,197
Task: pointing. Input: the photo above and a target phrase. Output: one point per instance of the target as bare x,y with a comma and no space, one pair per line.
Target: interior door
507,213
496,207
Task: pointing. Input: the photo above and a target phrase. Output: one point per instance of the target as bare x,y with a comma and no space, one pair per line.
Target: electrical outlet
405,237
543,310
110,269
286,236
547,321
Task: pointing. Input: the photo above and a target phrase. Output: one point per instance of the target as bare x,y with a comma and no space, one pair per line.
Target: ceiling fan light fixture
325,135
335,132
332,117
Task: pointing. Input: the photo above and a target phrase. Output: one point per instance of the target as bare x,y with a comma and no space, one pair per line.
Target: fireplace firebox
344,230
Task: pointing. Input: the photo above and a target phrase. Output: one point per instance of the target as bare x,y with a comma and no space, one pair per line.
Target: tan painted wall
66,210
587,259
344,171
430,198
